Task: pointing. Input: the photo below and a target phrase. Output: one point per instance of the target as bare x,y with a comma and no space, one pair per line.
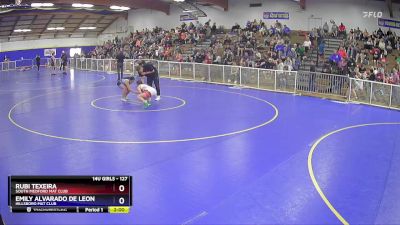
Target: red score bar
103,188
69,185
67,189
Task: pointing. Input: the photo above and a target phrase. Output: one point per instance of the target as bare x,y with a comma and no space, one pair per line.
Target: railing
18,64
24,63
283,81
329,86
374,93
307,83
6,66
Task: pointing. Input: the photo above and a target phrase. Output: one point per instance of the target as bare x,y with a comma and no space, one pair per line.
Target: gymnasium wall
28,49
31,53
350,12
118,28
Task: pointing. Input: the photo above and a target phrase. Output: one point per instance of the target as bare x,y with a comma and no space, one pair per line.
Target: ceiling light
55,28
87,28
122,8
22,30
36,5
179,0
79,5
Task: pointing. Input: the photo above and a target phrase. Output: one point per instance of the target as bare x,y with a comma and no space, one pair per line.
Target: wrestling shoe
146,105
158,98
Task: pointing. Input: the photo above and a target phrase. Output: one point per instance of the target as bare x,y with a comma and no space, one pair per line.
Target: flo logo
372,14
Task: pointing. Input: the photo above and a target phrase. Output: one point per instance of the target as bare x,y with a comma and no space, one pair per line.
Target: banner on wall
188,17
389,23
50,51
276,15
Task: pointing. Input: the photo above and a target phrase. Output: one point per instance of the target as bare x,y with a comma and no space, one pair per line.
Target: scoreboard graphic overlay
70,194
1,220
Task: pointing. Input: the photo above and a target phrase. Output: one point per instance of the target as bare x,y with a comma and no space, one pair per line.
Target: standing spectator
321,52
64,60
120,64
278,26
37,62
379,32
342,53
214,28
280,74
53,63
307,44
376,55
286,31
312,37
342,30
311,86
334,29
326,28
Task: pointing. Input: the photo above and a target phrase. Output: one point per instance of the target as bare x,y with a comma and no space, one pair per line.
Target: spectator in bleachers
312,36
395,77
300,50
379,32
334,29
307,44
235,28
376,55
326,28
342,52
321,52
255,47
286,31
217,60
382,44
342,30
352,35
278,26
228,57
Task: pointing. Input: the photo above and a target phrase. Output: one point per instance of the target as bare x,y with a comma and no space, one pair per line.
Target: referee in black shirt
151,72
120,64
